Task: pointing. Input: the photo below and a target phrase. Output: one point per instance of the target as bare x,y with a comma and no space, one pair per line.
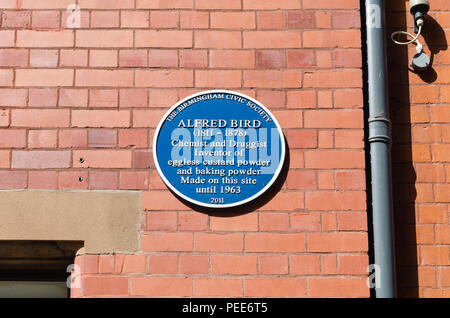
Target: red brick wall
98,92
421,155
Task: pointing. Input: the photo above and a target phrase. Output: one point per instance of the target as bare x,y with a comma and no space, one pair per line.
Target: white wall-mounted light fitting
418,8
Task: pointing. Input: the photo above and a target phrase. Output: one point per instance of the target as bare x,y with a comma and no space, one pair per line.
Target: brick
217,287
73,138
162,58
351,159
426,134
8,4
301,20
73,58
346,20
138,180
441,152
13,57
163,38
353,264
337,242
194,264
40,118
45,4
7,38
166,242
143,160
194,59
217,4
329,264
72,180
334,119
164,19
333,79
104,78
46,19
40,159
133,58
7,77
272,39
135,19
42,139
272,99
13,97
269,264
104,19
324,4
16,19
136,138
163,97
435,255
305,222
234,265
218,39
218,79
102,159
103,58
104,38
301,99
192,221
168,4
13,180
133,98
272,79
103,180
42,180
130,263
269,5
270,59
285,201
442,192
73,97
305,265
194,20
246,222
100,118
105,286
106,264
302,180
43,58
4,159
161,286
164,79
302,138
147,118
435,213
161,200
44,77
352,221
271,242
103,97
12,138
300,58
275,287
348,98
163,264
326,180
45,39
338,287
332,39
271,20
208,242
350,180
273,222
349,139
101,138
233,20
430,173
161,221
232,59
335,201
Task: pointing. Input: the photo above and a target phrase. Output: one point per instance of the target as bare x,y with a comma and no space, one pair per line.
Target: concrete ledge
107,221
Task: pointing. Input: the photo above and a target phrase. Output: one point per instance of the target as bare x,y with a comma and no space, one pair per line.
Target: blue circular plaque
219,149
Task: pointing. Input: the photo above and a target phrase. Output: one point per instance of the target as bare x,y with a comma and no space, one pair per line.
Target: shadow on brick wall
404,115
